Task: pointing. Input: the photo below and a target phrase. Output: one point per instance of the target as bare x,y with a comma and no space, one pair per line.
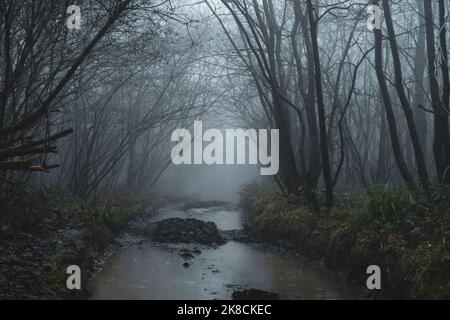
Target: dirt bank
406,236
61,231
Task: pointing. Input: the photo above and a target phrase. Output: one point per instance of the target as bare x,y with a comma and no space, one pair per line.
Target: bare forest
357,91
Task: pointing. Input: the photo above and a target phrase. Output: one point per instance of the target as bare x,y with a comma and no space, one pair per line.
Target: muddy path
144,266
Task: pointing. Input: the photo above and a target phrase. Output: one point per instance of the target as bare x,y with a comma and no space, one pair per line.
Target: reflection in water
154,271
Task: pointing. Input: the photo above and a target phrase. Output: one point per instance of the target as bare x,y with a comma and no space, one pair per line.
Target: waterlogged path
148,270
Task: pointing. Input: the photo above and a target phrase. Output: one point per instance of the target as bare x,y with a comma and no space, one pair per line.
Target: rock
254,294
185,254
177,230
186,265
188,253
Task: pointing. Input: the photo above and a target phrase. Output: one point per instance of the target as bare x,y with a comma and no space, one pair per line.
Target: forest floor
405,233
43,232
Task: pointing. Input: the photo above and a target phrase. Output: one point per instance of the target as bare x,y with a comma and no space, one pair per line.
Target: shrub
405,232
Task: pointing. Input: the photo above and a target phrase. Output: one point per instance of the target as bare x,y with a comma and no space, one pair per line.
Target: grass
23,210
44,211
406,233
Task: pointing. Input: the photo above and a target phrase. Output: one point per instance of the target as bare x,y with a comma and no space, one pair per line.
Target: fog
104,107
99,103
203,182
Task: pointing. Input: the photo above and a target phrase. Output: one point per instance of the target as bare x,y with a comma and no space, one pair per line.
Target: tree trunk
418,153
441,144
419,93
321,109
390,116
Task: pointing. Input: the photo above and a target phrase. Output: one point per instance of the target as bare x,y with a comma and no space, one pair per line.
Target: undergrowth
30,210
405,232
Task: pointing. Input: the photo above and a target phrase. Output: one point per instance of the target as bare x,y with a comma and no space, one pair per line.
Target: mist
342,150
